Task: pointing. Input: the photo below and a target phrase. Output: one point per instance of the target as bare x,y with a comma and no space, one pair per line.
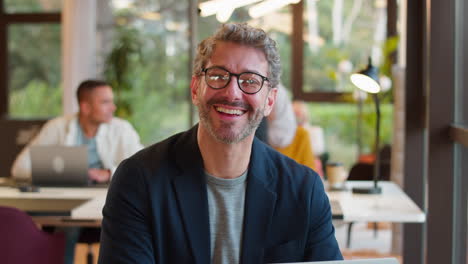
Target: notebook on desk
59,166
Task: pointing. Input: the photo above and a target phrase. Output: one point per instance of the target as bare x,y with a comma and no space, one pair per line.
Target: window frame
297,66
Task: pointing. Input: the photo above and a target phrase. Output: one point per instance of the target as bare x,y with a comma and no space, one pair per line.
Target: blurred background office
144,48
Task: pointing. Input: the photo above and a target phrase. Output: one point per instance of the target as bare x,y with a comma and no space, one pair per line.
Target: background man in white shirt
109,139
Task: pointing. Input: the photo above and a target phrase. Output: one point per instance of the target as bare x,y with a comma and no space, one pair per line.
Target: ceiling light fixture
222,8
268,6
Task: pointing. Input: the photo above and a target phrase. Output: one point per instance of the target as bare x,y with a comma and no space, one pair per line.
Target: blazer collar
190,186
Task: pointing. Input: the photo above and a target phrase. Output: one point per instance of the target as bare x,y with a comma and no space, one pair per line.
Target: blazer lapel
190,188
259,206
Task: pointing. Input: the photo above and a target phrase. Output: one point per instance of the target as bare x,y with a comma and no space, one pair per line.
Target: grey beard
231,138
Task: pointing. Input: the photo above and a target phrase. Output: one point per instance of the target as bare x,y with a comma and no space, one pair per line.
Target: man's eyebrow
243,71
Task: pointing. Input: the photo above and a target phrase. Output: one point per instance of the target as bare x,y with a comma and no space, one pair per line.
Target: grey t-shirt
226,211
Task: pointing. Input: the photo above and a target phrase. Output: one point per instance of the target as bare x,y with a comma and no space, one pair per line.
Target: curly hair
243,34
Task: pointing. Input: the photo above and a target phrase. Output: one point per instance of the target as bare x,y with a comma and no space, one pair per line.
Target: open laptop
59,166
354,261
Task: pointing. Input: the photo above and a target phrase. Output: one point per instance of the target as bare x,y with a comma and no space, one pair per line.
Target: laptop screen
59,166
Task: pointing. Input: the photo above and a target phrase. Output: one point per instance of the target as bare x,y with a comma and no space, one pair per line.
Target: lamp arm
359,127
377,140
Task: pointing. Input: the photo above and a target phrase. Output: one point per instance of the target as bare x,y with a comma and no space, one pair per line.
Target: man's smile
224,110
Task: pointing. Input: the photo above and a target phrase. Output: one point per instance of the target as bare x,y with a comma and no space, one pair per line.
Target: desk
87,213
393,205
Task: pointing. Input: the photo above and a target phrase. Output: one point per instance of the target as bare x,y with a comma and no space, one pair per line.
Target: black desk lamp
368,81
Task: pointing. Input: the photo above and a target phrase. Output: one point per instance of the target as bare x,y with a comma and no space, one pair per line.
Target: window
337,38
347,134
32,6
150,49
30,58
147,64
34,79
332,39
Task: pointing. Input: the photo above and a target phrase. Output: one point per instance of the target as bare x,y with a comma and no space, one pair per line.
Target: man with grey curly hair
245,35
215,193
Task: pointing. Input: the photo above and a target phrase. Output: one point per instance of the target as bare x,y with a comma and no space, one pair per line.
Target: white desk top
90,210
393,205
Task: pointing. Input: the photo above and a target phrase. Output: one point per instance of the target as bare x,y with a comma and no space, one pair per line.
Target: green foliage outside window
34,70
339,122
36,99
148,69
119,64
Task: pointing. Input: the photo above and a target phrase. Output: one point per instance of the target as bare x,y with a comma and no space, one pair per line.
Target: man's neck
223,160
89,128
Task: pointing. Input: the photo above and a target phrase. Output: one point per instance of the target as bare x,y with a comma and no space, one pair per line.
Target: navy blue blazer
156,209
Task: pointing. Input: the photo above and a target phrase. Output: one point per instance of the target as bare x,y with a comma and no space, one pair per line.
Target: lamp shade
367,79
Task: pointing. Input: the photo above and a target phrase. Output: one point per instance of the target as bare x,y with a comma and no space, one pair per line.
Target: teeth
229,111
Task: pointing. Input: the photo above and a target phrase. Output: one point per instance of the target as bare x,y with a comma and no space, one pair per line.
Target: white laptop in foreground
354,261
59,166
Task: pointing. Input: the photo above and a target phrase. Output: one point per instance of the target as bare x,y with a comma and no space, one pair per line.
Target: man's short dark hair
86,87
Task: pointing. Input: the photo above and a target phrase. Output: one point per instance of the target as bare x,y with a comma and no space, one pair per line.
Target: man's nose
232,90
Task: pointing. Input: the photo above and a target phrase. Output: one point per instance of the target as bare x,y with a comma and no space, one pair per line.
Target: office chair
22,242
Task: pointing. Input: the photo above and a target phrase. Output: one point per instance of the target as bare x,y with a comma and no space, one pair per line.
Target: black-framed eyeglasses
249,82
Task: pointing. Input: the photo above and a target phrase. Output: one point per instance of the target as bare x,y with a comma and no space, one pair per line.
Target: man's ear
194,85
270,101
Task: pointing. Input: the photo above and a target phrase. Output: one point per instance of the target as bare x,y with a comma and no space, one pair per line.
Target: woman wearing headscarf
285,135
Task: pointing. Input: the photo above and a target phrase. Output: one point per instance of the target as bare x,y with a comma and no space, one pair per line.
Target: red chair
22,242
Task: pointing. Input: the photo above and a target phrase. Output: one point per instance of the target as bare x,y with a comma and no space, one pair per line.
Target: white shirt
116,141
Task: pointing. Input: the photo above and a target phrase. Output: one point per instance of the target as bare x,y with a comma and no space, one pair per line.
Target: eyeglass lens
248,82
